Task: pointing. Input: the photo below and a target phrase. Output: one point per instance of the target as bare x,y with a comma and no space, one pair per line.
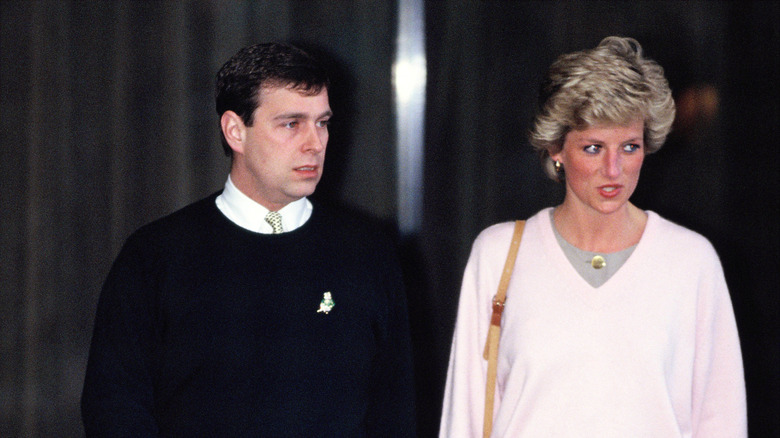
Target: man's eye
323,123
291,124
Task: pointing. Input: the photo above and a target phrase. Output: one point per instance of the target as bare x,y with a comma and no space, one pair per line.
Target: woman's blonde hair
609,84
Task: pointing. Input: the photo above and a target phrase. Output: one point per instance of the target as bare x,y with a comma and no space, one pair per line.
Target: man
223,320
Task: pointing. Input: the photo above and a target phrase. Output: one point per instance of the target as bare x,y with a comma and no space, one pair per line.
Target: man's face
283,152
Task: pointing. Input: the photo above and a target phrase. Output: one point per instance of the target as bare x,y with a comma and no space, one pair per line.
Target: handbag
494,330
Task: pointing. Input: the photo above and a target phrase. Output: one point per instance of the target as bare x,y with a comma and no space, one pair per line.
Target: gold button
598,262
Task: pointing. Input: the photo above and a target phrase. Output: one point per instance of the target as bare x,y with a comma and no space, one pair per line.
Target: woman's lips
610,191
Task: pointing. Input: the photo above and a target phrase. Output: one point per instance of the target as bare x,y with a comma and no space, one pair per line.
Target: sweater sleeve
718,395
391,412
464,393
117,399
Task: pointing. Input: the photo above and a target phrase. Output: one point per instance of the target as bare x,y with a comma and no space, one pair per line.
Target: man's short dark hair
253,68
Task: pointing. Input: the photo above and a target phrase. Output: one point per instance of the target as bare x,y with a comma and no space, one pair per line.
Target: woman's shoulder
672,229
671,235
502,231
496,231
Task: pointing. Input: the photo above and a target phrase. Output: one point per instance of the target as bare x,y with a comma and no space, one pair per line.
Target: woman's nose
612,164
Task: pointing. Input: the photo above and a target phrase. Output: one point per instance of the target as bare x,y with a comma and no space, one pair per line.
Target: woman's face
602,165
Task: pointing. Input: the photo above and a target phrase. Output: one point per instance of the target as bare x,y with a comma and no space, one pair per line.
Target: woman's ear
234,130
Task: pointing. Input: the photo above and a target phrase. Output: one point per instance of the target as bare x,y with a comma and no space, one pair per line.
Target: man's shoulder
351,221
346,218
189,220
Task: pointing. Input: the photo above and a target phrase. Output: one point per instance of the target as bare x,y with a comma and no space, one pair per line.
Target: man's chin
302,192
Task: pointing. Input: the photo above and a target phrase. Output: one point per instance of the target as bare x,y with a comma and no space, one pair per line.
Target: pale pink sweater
653,352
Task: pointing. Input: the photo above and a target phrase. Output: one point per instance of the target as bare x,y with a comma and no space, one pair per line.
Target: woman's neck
590,230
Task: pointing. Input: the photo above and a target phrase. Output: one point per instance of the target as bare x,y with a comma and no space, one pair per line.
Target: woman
617,323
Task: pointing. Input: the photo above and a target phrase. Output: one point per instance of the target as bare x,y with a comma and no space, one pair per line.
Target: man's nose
316,138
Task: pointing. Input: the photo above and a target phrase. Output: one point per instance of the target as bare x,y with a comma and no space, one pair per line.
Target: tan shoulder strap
494,331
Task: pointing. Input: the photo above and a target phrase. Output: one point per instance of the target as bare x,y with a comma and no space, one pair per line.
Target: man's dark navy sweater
206,329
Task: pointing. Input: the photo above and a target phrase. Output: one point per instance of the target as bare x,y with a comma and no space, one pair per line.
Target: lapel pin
326,304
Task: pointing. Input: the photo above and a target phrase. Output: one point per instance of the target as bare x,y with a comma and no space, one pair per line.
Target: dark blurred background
108,122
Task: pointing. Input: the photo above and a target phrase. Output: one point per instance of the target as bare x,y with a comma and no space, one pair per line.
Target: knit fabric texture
653,352
206,329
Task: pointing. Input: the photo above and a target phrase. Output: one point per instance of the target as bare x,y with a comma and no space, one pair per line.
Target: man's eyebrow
283,116
289,116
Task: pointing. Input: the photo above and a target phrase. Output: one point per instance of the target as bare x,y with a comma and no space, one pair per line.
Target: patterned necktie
275,219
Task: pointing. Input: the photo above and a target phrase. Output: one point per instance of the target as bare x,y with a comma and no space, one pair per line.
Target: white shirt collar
248,214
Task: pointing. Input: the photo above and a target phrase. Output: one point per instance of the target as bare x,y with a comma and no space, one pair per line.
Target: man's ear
234,130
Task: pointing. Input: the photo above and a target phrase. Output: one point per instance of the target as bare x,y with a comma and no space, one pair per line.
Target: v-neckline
579,258
559,258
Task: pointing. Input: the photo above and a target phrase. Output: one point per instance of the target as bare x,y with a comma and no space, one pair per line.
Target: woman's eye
633,147
592,149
